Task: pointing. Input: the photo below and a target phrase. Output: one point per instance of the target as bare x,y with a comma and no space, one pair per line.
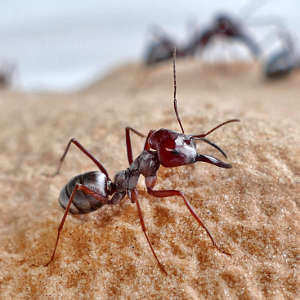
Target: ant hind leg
87,153
134,198
86,190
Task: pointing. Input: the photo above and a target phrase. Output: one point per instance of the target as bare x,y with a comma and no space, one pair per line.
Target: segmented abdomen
83,203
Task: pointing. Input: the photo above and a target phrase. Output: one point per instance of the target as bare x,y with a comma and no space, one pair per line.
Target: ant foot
223,251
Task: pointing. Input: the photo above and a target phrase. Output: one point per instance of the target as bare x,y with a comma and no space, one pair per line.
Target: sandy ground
252,210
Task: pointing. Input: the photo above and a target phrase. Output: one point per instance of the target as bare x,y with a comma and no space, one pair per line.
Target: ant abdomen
82,202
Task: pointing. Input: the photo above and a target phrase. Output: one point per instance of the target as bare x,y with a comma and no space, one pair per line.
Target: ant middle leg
87,153
134,198
86,190
168,193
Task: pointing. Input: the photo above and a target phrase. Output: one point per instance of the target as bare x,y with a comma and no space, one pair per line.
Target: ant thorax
146,163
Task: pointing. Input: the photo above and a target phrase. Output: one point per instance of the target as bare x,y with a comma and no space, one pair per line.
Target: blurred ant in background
228,28
223,26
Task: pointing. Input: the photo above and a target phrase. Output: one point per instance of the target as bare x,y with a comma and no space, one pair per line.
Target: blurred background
63,45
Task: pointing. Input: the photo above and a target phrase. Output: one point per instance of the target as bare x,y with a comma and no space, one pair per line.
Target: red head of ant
176,149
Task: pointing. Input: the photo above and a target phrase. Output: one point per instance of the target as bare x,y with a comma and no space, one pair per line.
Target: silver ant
88,192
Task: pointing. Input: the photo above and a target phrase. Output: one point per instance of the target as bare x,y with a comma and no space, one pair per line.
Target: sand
252,210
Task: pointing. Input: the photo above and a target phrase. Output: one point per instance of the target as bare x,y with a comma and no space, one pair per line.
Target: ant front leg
134,198
87,153
86,190
150,182
128,142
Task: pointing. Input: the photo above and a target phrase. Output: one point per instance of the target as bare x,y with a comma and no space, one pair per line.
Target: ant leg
76,143
250,43
86,190
128,142
134,198
168,193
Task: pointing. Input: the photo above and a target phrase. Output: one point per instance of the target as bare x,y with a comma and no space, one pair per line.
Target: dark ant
223,25
87,192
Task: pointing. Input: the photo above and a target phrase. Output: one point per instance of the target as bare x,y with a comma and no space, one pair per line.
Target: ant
222,25
87,192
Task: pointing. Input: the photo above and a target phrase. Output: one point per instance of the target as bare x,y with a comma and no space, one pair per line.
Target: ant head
177,149
174,149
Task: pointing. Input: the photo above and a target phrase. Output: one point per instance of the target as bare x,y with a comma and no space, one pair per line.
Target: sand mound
252,210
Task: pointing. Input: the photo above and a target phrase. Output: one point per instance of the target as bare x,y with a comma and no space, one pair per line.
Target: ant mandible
87,192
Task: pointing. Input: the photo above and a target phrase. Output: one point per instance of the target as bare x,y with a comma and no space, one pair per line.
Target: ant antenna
201,136
175,100
218,126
